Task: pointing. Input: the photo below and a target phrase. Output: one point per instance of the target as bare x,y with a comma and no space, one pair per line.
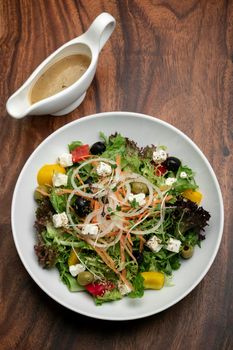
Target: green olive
139,187
38,196
85,278
187,252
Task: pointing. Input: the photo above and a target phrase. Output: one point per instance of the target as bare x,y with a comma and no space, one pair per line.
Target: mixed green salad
116,219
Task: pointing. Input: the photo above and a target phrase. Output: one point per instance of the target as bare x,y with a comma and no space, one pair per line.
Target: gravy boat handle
101,29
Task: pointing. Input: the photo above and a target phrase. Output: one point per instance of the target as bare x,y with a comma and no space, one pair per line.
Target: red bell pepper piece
80,153
99,288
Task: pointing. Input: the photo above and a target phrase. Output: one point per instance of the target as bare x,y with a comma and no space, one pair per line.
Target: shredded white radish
109,217
68,205
105,245
97,194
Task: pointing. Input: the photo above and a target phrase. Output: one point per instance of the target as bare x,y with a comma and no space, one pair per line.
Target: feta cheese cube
154,244
170,181
173,245
59,179
159,156
139,198
76,269
183,175
123,288
103,169
60,220
65,160
90,229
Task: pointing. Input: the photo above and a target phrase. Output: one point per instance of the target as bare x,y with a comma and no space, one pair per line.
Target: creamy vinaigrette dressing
59,76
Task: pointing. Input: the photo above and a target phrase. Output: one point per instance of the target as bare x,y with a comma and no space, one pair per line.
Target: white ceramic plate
145,130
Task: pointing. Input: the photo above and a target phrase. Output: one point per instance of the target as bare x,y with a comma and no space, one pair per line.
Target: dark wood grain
170,59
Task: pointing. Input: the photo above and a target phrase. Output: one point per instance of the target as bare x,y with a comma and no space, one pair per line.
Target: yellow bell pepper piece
153,279
73,259
194,196
45,174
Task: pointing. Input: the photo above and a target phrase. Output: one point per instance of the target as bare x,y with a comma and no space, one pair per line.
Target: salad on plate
116,219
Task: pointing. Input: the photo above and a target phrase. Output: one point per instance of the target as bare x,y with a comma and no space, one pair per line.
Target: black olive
88,181
172,164
139,257
98,148
82,206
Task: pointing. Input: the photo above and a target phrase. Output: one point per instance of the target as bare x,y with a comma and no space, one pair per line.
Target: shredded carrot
79,178
122,244
128,236
142,215
128,245
123,273
119,196
141,244
110,263
163,188
81,237
157,201
96,205
84,157
68,191
130,254
107,259
42,192
94,163
67,230
64,190
118,160
125,207
123,191
124,279
122,253
112,234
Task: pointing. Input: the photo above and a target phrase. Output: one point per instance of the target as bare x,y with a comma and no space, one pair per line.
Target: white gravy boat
90,43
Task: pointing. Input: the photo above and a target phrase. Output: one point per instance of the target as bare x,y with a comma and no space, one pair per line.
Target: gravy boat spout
18,105
68,94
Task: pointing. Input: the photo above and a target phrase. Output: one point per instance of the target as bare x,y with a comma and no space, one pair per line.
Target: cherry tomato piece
161,170
99,288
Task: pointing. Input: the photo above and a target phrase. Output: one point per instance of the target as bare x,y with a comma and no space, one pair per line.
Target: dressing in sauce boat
58,85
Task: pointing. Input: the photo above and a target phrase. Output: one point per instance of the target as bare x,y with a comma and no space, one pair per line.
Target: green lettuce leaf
71,282
104,138
110,295
116,145
74,145
58,201
138,291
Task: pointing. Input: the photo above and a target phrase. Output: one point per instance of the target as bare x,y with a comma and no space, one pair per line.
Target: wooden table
170,59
